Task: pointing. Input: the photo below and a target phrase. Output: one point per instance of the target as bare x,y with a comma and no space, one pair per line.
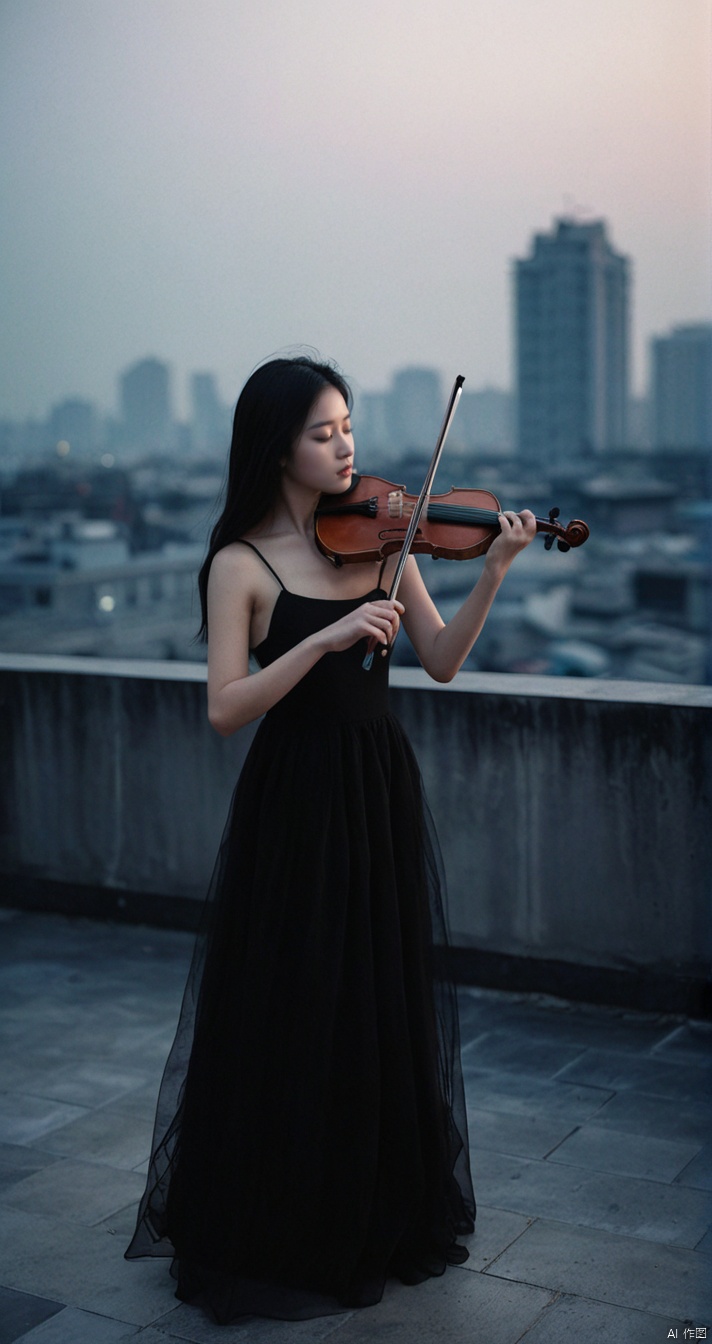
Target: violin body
369,522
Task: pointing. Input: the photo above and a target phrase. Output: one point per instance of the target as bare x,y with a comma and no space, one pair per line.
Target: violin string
460,513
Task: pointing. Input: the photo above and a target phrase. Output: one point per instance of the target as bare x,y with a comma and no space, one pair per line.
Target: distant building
639,423
210,424
372,429
415,408
571,301
484,420
75,422
624,508
74,589
144,394
682,387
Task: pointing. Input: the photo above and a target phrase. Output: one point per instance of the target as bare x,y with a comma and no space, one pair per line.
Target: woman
311,1137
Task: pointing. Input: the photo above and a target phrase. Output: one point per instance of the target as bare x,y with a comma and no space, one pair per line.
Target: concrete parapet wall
573,816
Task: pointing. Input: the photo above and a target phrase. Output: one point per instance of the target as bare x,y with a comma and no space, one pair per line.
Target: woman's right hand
379,620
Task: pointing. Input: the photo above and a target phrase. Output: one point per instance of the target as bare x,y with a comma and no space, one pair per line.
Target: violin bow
422,503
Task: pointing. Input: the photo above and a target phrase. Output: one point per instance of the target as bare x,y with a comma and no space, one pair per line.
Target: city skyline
214,185
181,395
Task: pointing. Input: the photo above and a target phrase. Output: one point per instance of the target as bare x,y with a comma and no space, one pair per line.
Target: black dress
311,1136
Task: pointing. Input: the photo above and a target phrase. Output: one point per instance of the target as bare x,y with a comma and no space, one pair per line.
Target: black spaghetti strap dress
311,1134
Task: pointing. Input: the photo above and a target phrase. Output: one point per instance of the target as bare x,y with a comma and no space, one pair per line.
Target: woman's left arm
441,648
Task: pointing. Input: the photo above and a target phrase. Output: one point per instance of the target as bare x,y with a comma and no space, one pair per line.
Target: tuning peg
563,545
553,515
549,541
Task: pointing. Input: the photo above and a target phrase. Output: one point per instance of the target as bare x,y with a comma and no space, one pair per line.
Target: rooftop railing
574,816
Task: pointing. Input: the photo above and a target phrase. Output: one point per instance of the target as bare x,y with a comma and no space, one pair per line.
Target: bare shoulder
235,584
236,568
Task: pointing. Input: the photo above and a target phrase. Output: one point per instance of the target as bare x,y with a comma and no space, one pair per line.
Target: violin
370,520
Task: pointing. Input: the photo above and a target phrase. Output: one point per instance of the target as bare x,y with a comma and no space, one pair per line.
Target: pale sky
211,181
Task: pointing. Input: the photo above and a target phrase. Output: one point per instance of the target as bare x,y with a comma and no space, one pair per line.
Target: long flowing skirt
310,1137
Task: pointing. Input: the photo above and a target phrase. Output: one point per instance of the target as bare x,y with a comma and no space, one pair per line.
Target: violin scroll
575,534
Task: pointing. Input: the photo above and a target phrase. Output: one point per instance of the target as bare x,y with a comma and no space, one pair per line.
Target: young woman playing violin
311,1137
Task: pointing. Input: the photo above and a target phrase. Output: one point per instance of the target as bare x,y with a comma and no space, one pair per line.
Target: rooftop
589,1132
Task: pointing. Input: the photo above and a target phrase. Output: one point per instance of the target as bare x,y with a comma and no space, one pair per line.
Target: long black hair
271,412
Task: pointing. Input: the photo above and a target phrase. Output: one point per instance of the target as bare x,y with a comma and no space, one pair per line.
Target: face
322,455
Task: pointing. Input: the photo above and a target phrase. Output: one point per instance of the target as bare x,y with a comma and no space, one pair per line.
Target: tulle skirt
310,1137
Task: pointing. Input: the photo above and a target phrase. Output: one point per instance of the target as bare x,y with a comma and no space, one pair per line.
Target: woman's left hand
517,530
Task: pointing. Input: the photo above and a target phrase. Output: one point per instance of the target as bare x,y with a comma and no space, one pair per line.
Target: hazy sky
211,181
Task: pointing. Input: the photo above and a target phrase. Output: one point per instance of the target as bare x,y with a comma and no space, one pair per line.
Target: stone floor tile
86,1083
147,1335
665,1281
123,1046
81,1327
24,1119
22,1067
607,1150
516,1053
84,1268
458,1308
517,1094
621,1204
31,1028
17,1162
103,1136
495,1230
523,1135
575,1320
78,1192
122,1223
75,1032
141,1102
193,1325
627,1072
698,1173
687,1043
105,1003
95,1006
656,1117
481,1014
20,1312
546,1018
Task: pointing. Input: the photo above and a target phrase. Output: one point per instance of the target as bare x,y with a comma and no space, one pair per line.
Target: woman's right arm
235,697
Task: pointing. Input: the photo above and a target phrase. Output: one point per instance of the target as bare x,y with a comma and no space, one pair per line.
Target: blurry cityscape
104,518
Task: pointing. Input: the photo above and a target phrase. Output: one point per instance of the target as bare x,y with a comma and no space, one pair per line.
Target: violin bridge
395,503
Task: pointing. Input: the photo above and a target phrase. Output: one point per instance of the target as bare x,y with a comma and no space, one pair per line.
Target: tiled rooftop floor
591,1146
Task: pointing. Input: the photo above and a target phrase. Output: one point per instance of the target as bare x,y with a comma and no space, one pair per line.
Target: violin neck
462,513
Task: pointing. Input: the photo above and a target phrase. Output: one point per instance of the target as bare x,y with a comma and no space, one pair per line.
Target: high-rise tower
415,408
682,387
211,422
144,391
571,298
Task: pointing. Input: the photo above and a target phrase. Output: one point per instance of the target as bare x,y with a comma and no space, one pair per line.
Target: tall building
76,422
571,299
484,420
147,421
372,431
682,387
210,424
415,408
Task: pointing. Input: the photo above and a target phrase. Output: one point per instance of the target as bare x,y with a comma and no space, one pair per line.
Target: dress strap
242,542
